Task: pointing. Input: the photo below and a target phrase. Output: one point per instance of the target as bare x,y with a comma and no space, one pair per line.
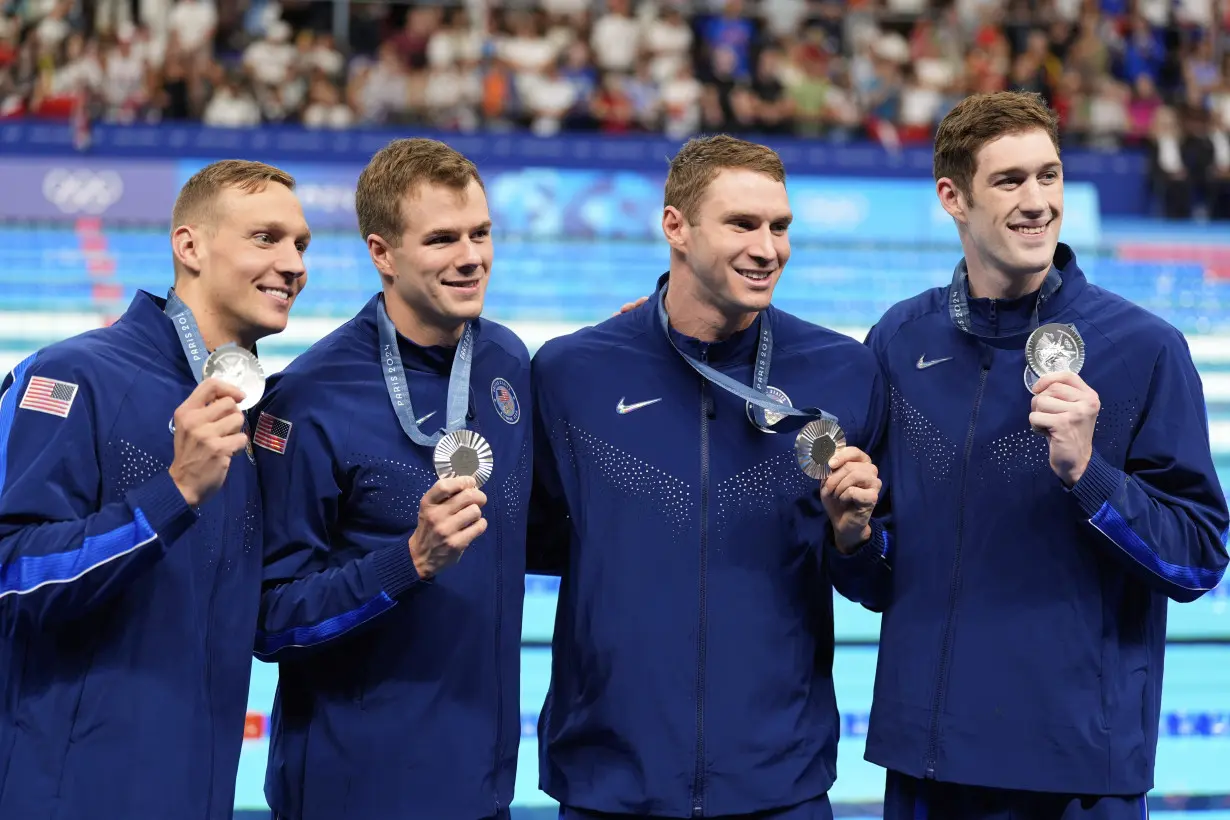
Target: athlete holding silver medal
693,645
130,544
1027,579
372,448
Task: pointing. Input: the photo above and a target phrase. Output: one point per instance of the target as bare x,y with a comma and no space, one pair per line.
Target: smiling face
241,265
738,244
726,217
1011,217
439,267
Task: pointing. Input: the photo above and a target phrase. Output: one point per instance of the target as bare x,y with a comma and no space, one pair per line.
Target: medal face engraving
464,452
240,368
816,443
1053,348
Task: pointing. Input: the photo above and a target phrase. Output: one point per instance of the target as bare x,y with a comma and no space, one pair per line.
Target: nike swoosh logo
622,408
419,422
923,364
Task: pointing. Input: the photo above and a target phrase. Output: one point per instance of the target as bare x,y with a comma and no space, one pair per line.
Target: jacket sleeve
865,575
61,553
550,527
1164,516
309,599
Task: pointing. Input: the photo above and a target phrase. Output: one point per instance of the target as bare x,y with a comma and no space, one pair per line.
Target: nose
1033,200
290,261
469,258
763,250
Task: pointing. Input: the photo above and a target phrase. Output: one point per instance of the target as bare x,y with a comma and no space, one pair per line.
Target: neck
419,329
692,315
987,283
216,328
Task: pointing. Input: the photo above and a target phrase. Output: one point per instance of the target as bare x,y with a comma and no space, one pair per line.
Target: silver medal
1053,348
1031,378
464,452
240,368
816,443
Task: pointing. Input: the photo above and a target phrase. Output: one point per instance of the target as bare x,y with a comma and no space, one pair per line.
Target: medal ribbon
458,402
958,298
793,417
189,334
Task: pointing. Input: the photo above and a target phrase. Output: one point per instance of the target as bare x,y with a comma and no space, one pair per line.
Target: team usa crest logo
505,400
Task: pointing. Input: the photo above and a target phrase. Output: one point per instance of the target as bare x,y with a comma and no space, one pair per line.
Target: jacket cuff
395,569
874,550
163,507
1097,484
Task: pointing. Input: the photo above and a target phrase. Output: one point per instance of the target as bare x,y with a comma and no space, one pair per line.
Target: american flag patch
49,396
272,433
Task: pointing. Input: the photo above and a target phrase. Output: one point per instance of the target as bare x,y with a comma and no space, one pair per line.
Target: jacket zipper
698,785
227,500
499,619
946,647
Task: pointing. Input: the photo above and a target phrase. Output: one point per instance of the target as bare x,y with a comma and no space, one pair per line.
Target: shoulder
105,361
502,338
581,347
796,335
1129,329
909,312
326,369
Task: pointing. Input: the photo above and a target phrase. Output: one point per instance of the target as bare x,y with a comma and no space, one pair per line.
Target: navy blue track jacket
1024,623
397,696
693,647
126,617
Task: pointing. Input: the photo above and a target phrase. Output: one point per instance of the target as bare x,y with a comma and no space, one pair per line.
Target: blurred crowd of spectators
1153,73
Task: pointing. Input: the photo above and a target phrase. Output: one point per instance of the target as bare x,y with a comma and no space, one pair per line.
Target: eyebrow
731,215
482,226
1005,172
283,229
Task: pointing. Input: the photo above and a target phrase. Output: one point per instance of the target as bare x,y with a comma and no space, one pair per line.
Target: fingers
860,472
446,488
1044,422
1066,377
1051,404
1063,390
631,305
463,538
863,479
860,497
471,497
848,455
210,391
234,443
221,409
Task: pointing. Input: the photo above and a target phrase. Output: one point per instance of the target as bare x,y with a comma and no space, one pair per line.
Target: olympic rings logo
82,191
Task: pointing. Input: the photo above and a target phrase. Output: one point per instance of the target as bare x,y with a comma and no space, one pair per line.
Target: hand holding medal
239,368
1064,408
450,518
849,494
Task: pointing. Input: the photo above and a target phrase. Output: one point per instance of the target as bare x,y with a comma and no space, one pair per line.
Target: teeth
281,294
754,275
1028,231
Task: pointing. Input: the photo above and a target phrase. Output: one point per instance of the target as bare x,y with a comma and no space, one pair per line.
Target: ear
952,200
381,253
675,228
188,249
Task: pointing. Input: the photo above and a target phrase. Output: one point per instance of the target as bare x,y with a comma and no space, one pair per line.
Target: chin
268,324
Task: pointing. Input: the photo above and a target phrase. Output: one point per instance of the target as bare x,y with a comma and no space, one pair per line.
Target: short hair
400,168
196,199
701,159
981,118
